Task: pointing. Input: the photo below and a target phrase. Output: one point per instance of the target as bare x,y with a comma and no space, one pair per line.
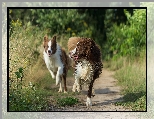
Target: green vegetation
120,33
132,78
128,44
24,98
69,101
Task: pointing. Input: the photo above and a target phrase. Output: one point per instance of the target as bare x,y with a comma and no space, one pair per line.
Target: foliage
23,47
23,54
137,102
71,22
79,22
132,78
128,39
25,98
67,101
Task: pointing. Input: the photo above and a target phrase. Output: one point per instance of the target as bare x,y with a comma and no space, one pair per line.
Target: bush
24,49
24,45
128,39
24,98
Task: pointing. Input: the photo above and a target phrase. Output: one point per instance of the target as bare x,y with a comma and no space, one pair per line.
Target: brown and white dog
88,65
56,61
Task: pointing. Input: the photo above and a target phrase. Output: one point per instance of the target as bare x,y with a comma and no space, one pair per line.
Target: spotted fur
88,65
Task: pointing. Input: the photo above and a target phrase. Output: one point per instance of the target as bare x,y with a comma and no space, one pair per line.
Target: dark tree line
95,23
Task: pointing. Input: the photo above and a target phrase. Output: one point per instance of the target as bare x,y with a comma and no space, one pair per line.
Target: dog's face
80,51
73,54
50,46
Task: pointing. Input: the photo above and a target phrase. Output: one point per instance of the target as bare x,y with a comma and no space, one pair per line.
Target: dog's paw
89,102
60,91
65,91
73,90
78,89
53,76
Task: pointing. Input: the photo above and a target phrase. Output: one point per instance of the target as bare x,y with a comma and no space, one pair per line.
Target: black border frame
66,8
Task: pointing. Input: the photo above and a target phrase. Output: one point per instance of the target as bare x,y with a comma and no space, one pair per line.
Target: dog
88,65
56,60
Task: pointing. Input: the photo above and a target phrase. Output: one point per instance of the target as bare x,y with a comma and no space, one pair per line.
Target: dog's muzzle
49,53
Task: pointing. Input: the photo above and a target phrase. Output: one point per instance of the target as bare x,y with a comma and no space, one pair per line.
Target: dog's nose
49,51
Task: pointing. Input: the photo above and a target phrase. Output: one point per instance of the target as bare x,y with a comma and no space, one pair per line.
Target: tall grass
131,76
23,55
31,87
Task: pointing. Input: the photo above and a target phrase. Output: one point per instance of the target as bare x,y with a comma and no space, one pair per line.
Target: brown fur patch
72,42
45,43
53,45
65,60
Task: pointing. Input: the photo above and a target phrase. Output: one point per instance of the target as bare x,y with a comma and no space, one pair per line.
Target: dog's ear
54,39
45,38
45,41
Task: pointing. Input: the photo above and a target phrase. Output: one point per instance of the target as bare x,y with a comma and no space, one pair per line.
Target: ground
107,92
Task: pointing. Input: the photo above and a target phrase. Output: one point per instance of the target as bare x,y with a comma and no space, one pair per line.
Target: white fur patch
72,52
49,46
84,71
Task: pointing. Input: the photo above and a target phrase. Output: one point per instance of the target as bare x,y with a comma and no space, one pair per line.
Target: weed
67,101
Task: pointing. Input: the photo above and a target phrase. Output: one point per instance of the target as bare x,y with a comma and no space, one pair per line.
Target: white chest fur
54,61
84,71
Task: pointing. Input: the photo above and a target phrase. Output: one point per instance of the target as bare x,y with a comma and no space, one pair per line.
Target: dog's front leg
76,85
60,88
58,75
89,101
59,78
52,74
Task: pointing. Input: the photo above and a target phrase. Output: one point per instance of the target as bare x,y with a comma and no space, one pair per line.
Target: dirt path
106,93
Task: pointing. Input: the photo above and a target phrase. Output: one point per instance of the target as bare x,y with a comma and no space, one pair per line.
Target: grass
41,94
38,88
26,99
115,64
131,76
46,86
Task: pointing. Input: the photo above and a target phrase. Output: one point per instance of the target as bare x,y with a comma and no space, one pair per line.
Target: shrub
25,98
24,45
128,39
67,101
